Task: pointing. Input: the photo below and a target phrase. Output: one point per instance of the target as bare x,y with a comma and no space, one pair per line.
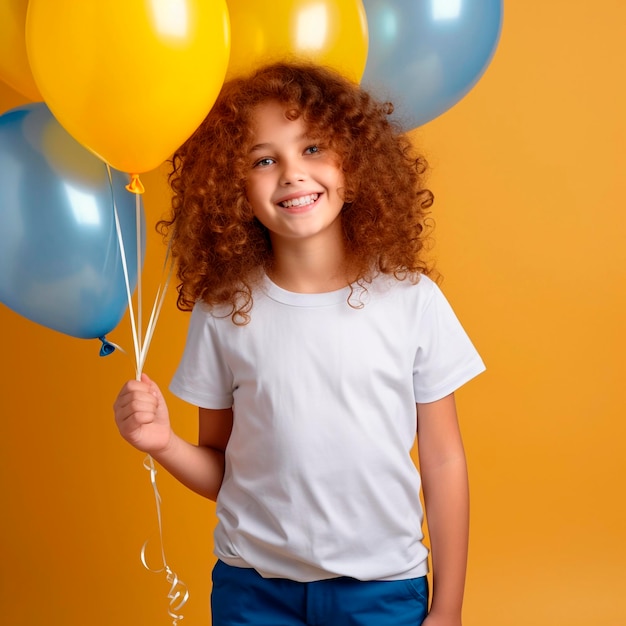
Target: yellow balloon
129,79
14,66
328,32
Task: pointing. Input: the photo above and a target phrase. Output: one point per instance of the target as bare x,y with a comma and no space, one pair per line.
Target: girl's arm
446,497
143,420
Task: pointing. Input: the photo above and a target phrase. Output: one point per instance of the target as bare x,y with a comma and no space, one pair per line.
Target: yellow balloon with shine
327,32
129,79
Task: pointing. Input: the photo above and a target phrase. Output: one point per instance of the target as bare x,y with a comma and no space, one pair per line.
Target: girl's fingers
141,405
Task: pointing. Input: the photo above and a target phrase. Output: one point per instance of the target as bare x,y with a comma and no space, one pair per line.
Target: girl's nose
292,172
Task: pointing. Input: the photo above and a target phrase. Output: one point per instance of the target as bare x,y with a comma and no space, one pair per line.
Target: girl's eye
263,162
311,150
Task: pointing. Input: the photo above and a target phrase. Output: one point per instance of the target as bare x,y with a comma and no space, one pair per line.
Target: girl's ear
347,199
348,192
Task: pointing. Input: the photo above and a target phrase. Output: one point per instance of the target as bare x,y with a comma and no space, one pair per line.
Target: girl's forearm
446,495
200,468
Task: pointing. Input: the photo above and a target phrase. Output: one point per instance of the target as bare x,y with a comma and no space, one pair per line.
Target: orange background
528,176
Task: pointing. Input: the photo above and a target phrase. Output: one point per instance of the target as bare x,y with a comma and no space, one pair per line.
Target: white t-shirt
319,481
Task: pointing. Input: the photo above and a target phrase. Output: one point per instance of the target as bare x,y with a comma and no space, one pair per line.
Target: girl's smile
299,202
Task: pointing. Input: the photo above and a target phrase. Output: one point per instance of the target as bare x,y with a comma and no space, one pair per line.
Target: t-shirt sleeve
203,378
445,358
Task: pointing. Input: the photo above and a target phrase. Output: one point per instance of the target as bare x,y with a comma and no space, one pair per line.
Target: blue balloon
425,55
60,261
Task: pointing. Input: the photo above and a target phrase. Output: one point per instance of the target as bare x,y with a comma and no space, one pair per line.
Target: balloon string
178,593
158,303
141,345
129,295
139,281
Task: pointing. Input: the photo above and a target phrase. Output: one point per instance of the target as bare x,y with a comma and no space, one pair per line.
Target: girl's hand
436,620
142,417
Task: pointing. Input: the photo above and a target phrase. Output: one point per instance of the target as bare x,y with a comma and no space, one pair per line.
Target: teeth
302,201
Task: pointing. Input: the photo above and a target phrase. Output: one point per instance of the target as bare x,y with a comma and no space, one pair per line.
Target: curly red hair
221,249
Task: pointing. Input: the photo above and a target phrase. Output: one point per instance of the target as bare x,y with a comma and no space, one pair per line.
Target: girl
298,228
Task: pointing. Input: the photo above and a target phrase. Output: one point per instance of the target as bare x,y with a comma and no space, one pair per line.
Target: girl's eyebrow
268,145
260,146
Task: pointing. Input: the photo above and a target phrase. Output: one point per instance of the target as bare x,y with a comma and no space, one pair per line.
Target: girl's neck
309,268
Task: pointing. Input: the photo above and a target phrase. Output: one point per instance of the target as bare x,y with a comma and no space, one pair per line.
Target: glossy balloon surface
426,55
129,79
328,32
60,262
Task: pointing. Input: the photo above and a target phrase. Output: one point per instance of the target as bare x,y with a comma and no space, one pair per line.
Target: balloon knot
135,185
107,347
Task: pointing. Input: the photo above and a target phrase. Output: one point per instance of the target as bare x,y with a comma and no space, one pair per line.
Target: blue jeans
242,596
